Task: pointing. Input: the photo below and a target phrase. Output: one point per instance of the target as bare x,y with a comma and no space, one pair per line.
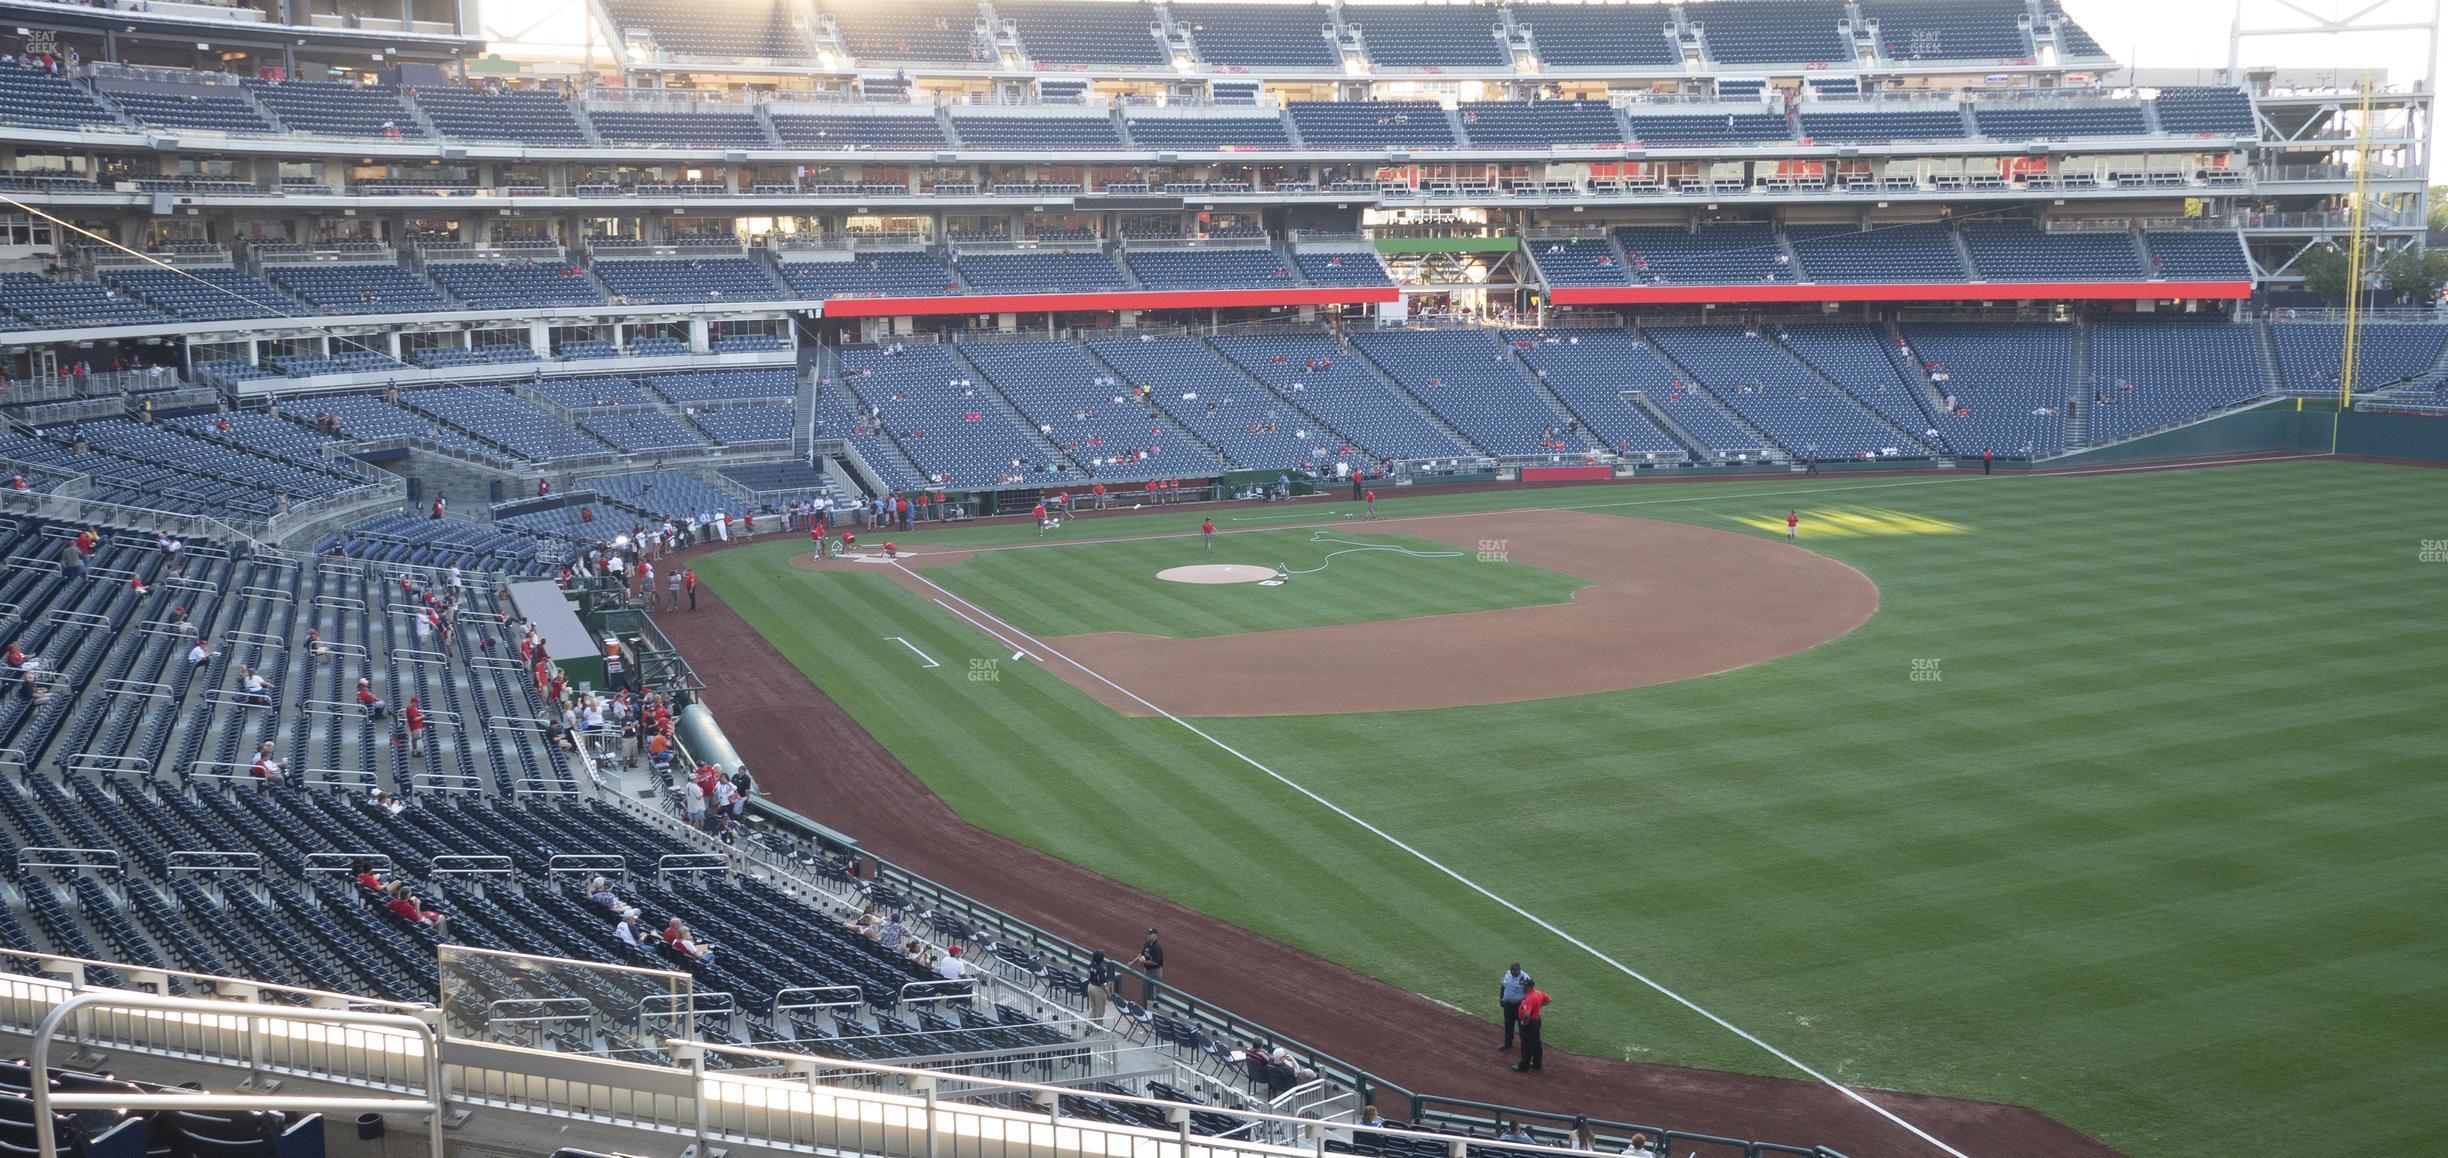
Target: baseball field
2118,796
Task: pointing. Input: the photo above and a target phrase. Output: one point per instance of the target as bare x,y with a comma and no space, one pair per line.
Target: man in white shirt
952,968
200,654
258,689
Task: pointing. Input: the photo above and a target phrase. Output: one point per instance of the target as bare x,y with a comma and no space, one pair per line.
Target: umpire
1509,990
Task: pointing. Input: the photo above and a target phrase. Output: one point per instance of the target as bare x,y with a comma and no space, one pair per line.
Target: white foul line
1458,878
1017,650
930,660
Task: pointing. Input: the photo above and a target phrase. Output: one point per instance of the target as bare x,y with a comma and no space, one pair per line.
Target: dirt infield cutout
1665,602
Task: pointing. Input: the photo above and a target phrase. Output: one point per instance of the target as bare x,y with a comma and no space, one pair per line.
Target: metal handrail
435,1103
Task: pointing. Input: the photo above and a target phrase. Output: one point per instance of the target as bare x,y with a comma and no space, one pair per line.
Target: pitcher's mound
1217,573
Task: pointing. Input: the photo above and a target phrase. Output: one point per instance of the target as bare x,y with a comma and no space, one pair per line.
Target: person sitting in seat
266,766
373,706
631,933
679,942
599,892
255,687
363,873
407,907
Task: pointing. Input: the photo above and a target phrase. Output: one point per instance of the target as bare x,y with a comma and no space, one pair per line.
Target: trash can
369,1127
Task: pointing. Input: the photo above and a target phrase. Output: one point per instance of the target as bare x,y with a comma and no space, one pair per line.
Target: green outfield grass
2158,852
1342,575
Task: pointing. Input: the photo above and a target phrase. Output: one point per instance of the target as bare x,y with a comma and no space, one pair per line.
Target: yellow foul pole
2356,246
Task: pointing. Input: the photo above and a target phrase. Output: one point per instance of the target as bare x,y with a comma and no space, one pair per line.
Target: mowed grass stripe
2148,856
1087,587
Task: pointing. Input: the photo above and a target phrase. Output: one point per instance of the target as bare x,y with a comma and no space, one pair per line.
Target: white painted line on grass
930,660
1017,650
1457,877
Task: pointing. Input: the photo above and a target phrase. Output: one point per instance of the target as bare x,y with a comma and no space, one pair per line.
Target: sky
2193,34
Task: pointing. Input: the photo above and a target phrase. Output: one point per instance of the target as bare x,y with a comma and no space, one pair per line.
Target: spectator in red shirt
1372,504
1533,1051
266,766
415,719
365,876
404,906
369,703
1038,513
688,583
1207,534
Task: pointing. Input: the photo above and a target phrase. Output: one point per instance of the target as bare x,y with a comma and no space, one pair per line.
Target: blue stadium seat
1259,35
2012,378
1085,411
1041,272
1773,31
682,130
2206,111
1469,379
861,132
681,279
1429,36
720,30
1707,128
339,109
1599,35
32,301
1731,254
1938,124
1772,391
1180,133
886,274
1209,269
222,110
39,101
2023,123
1329,268
1019,131
2197,255
1372,124
1917,252
535,118
1982,30
1580,262
2017,251
515,283
1085,32
1333,385
1538,124
2152,372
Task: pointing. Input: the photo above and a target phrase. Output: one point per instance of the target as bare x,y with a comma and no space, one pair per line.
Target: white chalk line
998,638
1457,877
930,660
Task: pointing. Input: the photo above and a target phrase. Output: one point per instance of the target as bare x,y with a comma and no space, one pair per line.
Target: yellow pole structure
2357,225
